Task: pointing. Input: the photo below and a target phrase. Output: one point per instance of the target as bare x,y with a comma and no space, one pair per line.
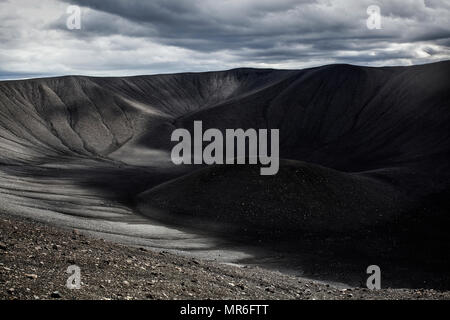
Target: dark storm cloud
201,25
270,29
134,36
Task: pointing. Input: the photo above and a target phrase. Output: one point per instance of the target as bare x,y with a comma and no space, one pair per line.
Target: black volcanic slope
363,148
385,129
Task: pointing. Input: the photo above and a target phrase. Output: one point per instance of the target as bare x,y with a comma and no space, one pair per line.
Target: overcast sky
130,37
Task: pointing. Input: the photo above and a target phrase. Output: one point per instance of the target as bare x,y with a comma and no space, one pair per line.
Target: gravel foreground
34,258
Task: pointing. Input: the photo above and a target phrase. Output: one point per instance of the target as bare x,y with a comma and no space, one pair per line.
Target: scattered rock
209,281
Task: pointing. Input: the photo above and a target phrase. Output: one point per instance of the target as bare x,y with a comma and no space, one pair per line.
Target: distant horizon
218,70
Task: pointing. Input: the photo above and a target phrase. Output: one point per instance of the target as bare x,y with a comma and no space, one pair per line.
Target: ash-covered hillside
363,148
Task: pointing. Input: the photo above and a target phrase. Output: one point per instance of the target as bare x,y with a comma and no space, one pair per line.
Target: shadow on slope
331,225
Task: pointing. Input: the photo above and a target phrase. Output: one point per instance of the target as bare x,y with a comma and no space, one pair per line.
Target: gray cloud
137,37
